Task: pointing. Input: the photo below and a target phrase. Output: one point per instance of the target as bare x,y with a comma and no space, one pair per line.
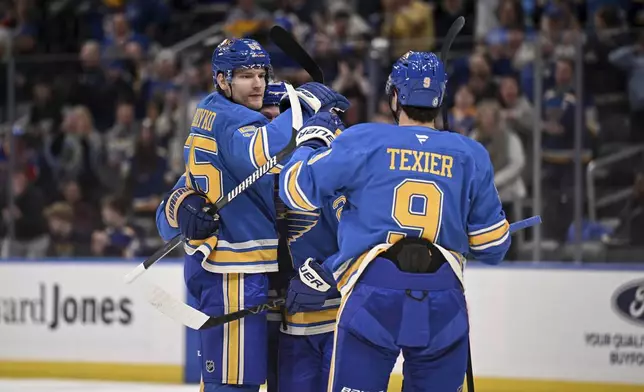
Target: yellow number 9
203,168
426,220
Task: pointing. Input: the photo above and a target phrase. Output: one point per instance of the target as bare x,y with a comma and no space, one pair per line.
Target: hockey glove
308,290
320,130
316,97
185,210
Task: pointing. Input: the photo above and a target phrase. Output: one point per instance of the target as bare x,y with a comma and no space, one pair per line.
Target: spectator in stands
91,146
93,88
480,81
119,34
165,77
630,59
517,113
26,214
119,143
45,112
352,83
62,155
85,213
558,148
383,113
67,239
118,239
246,18
146,173
409,25
347,29
23,25
462,116
447,11
506,154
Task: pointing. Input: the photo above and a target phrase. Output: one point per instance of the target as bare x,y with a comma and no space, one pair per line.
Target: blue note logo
628,302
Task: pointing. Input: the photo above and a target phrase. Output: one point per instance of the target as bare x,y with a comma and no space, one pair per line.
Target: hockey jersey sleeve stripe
319,156
293,192
259,152
493,243
348,273
489,234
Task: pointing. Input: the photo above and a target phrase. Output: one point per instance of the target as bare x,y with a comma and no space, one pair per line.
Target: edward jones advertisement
558,324
83,312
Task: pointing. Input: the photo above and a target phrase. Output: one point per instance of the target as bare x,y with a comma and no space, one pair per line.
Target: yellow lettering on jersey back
435,160
393,152
423,162
404,159
203,119
448,161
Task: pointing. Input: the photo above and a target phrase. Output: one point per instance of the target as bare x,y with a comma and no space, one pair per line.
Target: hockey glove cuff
185,209
316,97
308,291
320,130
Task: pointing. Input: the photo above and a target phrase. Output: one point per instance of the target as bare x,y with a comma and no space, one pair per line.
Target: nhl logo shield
210,366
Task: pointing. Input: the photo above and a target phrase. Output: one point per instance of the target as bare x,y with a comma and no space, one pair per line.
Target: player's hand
316,97
320,130
308,290
186,209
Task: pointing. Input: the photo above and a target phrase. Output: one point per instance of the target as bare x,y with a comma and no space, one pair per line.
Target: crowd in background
101,104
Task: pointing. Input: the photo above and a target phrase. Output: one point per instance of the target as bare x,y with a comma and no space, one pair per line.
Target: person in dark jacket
31,238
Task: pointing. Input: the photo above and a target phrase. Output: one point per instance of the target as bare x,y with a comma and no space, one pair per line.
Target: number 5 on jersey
202,150
417,206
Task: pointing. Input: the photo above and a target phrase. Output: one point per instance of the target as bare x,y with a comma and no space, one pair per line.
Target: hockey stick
287,43
250,180
197,320
447,44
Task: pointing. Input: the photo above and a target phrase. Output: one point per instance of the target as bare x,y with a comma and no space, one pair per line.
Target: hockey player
431,194
228,258
276,280
306,346
306,343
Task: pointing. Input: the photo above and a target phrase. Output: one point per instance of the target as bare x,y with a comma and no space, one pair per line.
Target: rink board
545,327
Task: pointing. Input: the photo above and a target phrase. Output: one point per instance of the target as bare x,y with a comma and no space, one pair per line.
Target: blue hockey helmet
274,93
242,53
419,79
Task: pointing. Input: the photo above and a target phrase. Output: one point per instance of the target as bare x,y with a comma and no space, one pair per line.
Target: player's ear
393,101
223,84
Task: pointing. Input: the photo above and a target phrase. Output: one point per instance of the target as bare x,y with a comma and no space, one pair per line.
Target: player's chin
255,102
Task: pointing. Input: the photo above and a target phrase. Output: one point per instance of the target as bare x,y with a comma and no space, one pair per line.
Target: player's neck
405,121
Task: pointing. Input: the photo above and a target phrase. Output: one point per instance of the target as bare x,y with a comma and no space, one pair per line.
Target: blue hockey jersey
401,181
227,142
314,234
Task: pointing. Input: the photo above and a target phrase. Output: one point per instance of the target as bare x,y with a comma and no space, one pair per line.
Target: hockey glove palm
316,97
186,209
308,290
320,130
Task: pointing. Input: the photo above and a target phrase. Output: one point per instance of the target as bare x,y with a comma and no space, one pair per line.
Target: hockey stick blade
250,180
192,318
289,45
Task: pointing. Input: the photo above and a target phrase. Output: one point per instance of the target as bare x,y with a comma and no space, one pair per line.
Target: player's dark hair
423,115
